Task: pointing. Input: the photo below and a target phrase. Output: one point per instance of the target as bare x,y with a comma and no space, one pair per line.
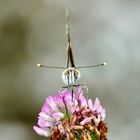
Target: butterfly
71,73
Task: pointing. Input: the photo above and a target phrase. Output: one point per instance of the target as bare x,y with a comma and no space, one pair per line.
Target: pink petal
90,104
96,105
43,123
42,132
57,115
85,121
68,98
45,117
46,109
51,102
59,101
103,114
82,101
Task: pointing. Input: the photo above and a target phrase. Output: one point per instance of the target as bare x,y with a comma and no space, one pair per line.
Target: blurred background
33,31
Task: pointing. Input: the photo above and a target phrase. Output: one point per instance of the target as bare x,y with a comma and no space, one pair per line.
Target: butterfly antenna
90,66
52,67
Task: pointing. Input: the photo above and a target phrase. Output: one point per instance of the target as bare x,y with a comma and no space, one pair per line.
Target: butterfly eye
66,73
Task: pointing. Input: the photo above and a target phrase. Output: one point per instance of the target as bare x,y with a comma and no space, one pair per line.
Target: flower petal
82,100
42,132
42,123
45,117
97,105
46,109
57,115
68,101
90,104
86,120
51,102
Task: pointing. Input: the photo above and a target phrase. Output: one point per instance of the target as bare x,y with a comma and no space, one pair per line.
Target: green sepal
93,135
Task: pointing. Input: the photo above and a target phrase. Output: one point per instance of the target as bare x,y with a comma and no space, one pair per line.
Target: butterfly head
70,76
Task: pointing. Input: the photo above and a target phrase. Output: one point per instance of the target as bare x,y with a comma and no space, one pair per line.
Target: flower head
72,117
